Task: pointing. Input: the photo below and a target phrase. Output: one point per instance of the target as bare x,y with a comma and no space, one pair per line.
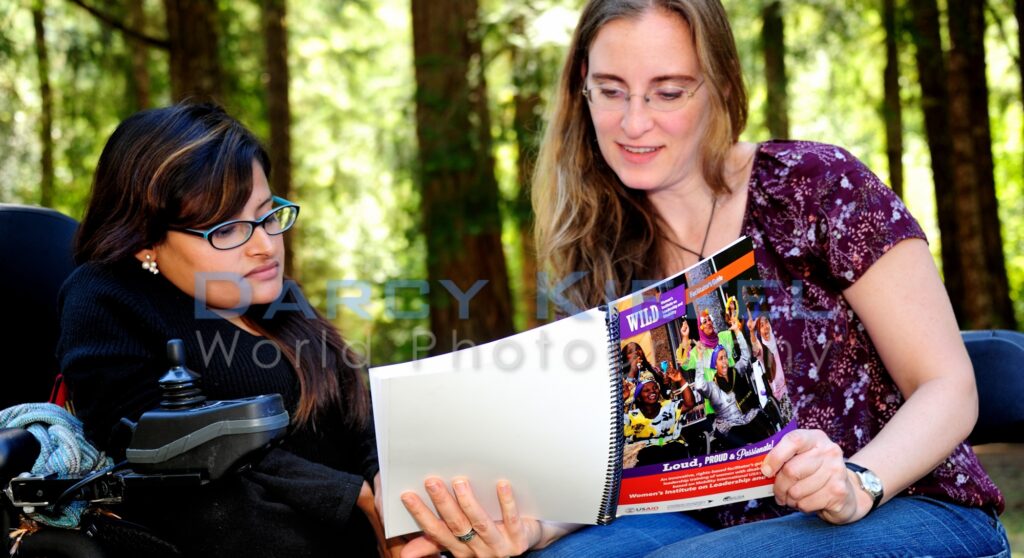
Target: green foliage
354,147
1007,118
88,64
524,46
241,57
353,133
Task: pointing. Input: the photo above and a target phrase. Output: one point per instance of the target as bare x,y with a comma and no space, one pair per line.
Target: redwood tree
774,47
46,94
528,79
932,75
973,165
892,108
458,189
139,56
192,31
275,36
192,43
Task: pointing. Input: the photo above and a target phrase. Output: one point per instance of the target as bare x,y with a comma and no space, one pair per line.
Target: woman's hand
674,374
811,476
627,389
736,325
461,515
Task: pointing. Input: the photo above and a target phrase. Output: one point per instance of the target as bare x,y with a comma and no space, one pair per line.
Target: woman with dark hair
653,427
766,351
739,419
640,174
636,367
182,238
635,364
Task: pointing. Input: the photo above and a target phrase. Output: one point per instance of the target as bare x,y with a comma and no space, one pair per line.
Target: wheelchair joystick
179,385
190,434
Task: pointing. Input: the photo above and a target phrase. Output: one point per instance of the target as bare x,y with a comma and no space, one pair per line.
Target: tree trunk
893,110
46,186
526,123
1019,9
931,70
139,56
970,125
192,30
774,44
459,192
275,35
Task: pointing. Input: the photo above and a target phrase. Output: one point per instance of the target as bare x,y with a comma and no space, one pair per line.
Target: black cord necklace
704,244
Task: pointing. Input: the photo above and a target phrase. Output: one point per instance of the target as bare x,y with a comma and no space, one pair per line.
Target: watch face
870,482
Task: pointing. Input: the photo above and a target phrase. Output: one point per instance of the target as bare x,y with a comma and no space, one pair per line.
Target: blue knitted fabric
64,451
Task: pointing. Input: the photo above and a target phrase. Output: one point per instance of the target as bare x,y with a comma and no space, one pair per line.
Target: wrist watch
870,482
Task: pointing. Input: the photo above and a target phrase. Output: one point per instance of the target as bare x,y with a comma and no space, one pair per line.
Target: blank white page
534,409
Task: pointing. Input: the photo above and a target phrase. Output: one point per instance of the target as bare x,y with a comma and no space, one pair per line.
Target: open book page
534,409
704,396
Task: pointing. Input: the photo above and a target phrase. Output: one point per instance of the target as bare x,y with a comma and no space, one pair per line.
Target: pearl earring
150,265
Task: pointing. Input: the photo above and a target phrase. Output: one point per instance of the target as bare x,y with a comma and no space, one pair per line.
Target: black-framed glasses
232,234
664,98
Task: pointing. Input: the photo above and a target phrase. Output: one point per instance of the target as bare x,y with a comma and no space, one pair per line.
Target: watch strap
860,472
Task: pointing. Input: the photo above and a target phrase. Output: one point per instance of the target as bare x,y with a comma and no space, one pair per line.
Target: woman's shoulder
814,202
123,288
797,159
93,280
808,178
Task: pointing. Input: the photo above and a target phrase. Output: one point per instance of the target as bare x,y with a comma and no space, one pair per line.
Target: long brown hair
586,219
190,165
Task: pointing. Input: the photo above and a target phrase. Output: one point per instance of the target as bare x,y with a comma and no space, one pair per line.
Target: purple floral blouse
818,219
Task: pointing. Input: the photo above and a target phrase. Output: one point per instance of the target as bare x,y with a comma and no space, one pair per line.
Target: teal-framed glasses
232,234
664,98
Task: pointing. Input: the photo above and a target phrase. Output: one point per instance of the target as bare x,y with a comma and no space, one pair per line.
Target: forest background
406,131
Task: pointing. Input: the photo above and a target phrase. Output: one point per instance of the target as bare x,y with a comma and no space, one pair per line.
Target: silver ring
468,536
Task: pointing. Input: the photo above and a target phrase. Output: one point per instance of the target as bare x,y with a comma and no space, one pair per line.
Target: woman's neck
650,410
236,319
686,212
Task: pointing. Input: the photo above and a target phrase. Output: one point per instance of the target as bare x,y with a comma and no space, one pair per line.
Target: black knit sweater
299,500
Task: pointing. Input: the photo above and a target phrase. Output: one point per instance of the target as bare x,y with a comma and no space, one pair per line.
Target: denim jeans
905,526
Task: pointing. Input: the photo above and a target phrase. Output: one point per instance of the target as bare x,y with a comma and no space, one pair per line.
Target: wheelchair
187,442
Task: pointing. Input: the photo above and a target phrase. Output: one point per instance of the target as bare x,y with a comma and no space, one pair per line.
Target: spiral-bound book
666,399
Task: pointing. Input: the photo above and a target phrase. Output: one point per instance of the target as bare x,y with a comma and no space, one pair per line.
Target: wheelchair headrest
36,255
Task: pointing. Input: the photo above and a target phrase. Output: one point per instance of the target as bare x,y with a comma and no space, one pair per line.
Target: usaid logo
643,509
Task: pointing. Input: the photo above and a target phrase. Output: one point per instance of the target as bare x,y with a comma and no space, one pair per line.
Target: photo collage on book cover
700,367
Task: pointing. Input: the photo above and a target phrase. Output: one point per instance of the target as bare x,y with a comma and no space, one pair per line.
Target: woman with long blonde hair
642,174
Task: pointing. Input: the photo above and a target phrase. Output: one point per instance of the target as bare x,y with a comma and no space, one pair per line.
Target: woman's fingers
487,535
460,515
515,527
791,445
800,493
810,472
833,495
451,512
429,523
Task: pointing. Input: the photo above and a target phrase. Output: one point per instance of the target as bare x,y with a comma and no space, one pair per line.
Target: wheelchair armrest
19,450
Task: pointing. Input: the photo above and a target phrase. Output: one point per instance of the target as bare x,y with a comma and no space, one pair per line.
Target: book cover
700,406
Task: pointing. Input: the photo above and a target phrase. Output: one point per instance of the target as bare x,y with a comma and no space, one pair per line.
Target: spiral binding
613,478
